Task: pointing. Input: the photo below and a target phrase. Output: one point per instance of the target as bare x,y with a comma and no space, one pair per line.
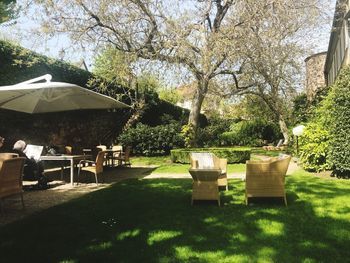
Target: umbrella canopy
53,97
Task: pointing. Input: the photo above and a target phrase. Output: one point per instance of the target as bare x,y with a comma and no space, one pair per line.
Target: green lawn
153,221
164,165
183,168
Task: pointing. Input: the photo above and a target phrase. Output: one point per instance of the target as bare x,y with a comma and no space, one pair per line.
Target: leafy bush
300,109
340,130
315,143
327,139
304,110
188,134
250,133
210,135
153,114
233,155
151,141
314,150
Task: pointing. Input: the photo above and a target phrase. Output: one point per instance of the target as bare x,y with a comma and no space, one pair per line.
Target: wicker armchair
11,172
205,184
93,167
213,162
124,157
5,156
266,178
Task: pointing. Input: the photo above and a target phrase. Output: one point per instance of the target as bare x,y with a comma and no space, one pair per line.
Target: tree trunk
284,128
282,123
196,106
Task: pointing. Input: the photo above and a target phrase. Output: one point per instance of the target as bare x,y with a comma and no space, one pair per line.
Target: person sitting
2,140
33,170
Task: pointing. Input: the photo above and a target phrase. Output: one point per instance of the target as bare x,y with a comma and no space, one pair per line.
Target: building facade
338,54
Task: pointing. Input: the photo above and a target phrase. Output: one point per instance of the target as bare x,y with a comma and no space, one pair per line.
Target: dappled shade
153,221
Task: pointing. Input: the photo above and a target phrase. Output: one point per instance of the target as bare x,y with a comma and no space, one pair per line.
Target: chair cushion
282,156
205,160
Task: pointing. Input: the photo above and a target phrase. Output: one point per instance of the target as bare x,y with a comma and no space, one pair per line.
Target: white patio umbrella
50,96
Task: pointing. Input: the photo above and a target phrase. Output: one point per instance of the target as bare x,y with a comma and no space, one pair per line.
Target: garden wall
77,128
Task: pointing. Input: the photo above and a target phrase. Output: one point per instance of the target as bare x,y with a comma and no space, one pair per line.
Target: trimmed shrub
340,130
152,141
233,155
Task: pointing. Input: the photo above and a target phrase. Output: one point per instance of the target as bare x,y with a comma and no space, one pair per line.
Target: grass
164,165
261,151
153,221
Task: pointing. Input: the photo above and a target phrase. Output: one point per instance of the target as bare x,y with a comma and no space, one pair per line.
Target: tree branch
220,14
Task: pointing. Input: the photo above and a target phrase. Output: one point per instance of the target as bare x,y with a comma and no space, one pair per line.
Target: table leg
71,171
62,171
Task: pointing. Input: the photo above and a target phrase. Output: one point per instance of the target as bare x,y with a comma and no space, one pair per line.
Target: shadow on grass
110,174
153,221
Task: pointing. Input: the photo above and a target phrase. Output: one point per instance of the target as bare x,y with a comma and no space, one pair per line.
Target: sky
20,32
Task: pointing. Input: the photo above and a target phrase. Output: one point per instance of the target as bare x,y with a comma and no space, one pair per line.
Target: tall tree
192,34
8,10
274,51
205,37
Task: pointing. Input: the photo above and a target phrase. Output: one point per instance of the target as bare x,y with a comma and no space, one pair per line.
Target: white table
70,158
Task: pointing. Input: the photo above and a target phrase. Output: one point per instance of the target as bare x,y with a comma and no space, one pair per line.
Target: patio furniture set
86,161
264,178
12,166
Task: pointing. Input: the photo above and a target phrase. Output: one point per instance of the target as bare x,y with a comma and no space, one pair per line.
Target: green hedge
233,155
340,128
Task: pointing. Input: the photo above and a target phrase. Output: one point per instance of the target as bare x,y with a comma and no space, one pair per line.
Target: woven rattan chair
205,184
101,147
93,167
5,156
11,172
124,157
266,178
215,163
113,153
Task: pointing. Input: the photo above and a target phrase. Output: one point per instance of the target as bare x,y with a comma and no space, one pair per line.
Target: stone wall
79,129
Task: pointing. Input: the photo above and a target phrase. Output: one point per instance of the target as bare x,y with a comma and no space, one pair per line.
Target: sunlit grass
151,220
164,165
155,160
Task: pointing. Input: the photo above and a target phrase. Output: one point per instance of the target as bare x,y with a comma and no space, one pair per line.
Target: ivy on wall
81,128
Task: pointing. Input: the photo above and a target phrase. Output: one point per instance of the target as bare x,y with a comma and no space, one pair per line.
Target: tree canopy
8,10
240,44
